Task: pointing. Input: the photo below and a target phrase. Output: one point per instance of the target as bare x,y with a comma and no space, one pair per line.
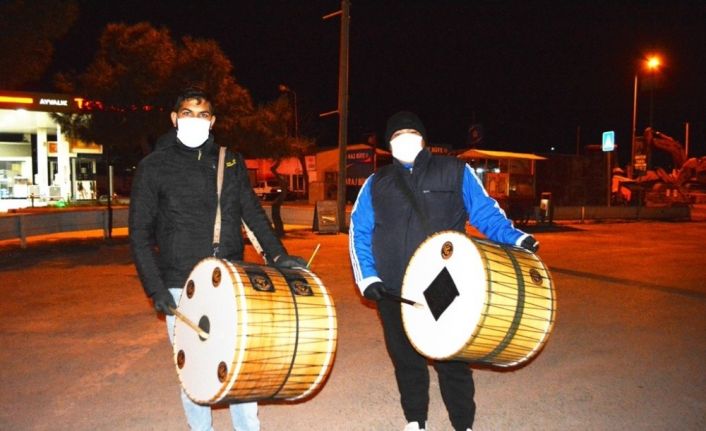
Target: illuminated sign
54,102
49,102
16,99
44,102
608,142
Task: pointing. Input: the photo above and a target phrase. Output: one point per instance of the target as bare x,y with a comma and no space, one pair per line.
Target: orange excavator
687,179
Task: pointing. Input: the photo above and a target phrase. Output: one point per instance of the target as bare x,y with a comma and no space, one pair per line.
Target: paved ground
81,348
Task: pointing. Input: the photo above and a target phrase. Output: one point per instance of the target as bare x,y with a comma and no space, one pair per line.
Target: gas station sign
44,102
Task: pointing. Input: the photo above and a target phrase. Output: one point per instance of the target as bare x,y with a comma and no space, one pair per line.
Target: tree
29,29
266,133
124,83
202,61
133,82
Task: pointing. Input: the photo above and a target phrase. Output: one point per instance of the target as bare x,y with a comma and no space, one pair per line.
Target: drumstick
398,298
203,334
316,250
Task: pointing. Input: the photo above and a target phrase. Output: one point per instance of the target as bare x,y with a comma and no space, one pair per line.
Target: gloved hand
162,301
287,261
530,243
374,291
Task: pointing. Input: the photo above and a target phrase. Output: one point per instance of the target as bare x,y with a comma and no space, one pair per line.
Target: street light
651,64
284,89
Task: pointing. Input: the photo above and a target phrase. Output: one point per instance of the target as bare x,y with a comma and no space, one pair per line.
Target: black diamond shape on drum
259,279
297,284
441,293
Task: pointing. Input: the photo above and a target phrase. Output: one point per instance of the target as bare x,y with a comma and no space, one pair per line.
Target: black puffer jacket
435,183
173,210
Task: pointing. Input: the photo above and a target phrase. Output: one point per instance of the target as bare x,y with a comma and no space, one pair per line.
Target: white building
38,162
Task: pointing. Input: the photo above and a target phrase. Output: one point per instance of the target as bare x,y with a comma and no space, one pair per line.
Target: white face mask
192,132
406,146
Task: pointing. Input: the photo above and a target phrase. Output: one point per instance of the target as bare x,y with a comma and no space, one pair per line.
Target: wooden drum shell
503,310
272,333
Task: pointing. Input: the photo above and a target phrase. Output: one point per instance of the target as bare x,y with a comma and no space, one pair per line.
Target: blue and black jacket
386,229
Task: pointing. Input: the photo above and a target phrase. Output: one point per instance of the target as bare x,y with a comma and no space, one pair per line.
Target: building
322,171
290,168
38,162
508,177
361,161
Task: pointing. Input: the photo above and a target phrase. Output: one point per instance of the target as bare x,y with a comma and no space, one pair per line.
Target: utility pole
342,111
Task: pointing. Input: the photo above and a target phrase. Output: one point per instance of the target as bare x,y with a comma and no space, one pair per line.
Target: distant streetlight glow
653,62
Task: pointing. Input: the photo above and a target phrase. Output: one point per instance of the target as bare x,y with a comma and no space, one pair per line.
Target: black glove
530,243
375,291
287,261
162,301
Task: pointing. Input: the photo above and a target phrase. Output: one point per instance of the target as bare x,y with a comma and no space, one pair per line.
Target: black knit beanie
404,120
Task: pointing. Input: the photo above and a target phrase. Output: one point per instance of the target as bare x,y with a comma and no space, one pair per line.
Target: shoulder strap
409,194
219,186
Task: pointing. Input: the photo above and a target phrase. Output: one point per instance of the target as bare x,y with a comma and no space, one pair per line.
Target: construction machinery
685,184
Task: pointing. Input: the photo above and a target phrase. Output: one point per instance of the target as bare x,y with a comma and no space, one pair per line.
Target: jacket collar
207,147
420,162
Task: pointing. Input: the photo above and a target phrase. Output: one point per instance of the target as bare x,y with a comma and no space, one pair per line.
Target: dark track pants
455,377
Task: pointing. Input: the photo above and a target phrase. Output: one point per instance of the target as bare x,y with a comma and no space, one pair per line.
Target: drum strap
409,194
217,224
219,186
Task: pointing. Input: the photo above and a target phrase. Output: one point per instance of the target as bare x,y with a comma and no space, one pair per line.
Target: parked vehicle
267,189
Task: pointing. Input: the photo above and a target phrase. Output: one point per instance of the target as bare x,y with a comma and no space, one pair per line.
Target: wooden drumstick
311,259
398,298
203,334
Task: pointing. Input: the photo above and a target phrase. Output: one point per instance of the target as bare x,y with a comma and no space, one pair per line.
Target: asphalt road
81,348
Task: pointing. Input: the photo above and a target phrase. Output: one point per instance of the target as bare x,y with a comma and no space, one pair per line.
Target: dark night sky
530,72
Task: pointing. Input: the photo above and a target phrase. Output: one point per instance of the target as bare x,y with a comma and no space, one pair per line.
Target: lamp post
285,89
652,64
634,127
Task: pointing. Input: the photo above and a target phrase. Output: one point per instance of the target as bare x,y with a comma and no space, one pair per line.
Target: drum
482,302
271,333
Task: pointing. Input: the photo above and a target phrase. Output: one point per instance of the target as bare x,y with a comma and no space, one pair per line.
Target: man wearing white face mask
173,206
397,208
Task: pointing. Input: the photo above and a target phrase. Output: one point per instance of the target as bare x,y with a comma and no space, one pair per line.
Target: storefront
507,177
38,161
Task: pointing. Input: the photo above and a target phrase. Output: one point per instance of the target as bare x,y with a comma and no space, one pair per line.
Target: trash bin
546,208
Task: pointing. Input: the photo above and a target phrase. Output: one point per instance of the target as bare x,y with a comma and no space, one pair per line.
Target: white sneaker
413,426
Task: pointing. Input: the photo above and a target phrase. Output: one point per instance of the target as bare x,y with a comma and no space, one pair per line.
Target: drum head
208,300
447,276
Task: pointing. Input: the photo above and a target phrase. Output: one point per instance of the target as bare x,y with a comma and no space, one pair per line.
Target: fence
23,225
28,224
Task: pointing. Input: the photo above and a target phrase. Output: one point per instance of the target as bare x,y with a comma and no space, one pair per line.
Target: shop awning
488,154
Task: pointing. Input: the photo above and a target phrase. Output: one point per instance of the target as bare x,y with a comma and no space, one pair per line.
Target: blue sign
608,141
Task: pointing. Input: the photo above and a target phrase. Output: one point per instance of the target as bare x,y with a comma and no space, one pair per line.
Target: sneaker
413,426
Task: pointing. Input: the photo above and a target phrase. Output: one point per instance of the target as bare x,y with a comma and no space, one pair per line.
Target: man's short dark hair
193,93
